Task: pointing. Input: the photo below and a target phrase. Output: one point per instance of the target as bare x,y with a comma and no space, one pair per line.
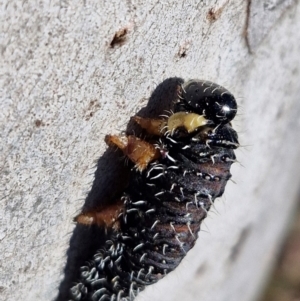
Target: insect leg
152,126
137,150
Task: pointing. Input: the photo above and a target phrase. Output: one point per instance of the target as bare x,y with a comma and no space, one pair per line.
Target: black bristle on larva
165,203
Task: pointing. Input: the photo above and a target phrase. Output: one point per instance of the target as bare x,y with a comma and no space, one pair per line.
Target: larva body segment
158,216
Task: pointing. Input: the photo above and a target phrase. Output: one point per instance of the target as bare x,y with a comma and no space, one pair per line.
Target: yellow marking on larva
190,121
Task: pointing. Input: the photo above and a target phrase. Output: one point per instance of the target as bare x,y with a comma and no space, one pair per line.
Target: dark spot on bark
183,49
236,249
38,123
182,54
201,269
214,14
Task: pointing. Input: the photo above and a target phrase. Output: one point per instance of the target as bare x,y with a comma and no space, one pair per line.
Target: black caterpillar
178,172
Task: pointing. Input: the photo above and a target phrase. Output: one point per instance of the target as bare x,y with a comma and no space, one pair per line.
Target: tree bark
72,72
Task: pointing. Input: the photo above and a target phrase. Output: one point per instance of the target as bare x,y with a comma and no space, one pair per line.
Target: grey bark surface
65,83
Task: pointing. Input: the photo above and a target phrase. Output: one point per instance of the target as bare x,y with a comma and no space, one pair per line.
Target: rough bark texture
72,72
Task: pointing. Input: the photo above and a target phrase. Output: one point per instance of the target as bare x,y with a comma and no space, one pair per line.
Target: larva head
209,99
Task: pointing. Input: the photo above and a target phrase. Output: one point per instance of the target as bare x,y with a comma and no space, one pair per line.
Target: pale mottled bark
63,87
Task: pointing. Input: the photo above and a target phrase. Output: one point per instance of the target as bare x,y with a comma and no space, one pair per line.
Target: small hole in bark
183,49
119,37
